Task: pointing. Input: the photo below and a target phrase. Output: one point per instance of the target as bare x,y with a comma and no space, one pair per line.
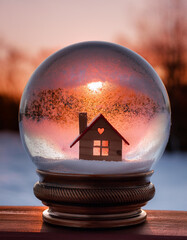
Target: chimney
82,122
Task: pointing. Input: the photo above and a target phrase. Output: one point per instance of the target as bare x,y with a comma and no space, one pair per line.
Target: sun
95,86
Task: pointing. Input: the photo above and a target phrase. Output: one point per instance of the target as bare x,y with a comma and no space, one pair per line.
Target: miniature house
99,140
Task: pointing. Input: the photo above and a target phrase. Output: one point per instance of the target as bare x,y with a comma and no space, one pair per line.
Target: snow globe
94,118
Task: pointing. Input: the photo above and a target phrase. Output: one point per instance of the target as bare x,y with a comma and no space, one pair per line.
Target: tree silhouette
162,39
64,105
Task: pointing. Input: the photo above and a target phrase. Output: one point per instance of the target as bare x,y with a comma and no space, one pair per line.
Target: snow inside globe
94,108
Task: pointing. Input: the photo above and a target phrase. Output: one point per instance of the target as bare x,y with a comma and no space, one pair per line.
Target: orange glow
97,143
104,151
105,143
95,87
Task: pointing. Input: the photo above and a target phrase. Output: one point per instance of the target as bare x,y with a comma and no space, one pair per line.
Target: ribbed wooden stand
94,201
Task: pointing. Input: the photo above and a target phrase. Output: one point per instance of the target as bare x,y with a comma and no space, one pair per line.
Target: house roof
90,126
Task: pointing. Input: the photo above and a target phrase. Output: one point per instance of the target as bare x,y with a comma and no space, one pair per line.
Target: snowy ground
17,177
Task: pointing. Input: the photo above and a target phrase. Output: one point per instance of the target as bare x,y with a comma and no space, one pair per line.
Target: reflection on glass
96,78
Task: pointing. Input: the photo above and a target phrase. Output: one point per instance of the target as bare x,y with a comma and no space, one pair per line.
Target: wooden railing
26,223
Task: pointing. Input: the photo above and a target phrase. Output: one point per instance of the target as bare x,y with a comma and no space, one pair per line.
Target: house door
100,148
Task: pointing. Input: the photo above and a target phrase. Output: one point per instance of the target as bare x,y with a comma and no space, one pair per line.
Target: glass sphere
95,108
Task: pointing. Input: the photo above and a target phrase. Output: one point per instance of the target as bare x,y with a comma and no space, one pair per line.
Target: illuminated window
100,148
104,151
97,143
105,143
96,151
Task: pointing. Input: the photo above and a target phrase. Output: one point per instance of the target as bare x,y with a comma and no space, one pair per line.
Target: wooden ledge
26,222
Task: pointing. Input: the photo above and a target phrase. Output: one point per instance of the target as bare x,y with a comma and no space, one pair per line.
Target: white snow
38,145
91,166
154,140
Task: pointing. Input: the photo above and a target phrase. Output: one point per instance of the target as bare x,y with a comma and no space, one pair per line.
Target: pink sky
36,24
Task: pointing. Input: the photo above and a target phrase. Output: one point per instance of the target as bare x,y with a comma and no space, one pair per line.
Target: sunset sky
29,27
36,24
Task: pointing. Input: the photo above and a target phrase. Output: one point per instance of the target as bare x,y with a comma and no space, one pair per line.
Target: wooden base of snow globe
94,201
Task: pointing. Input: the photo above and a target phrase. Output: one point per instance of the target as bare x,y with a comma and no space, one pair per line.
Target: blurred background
30,31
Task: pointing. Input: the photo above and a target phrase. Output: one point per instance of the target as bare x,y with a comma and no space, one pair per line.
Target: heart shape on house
100,130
